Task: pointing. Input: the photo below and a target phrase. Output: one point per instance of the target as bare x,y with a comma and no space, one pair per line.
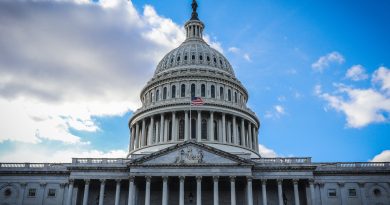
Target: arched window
173,91
185,57
203,90
204,129
229,95
221,93
181,129
157,95
192,90
169,130
183,91
215,127
165,93
201,57
235,97
212,91
208,58
193,129
193,57
178,58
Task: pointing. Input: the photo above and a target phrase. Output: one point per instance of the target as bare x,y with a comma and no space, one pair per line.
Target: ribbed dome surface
194,53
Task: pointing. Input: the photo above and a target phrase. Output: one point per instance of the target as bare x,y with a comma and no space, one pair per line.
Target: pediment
190,154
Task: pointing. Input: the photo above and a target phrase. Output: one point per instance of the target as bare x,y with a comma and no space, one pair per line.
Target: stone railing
354,166
32,166
290,160
98,161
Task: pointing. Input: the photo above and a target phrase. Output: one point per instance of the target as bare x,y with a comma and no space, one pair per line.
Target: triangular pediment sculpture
190,153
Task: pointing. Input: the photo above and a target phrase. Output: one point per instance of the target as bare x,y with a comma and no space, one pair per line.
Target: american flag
197,101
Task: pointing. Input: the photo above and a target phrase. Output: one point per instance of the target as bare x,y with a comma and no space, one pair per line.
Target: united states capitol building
186,155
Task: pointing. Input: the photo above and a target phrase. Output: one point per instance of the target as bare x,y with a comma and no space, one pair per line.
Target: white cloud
325,61
356,73
382,77
361,106
237,51
382,157
267,152
57,76
276,112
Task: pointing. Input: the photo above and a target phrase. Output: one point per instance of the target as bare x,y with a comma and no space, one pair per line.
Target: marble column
174,127
245,143
362,194
254,133
312,192
136,141
235,139
198,190
130,200
181,194
264,190
147,190
117,191
233,190
211,129
131,148
70,192
280,191
22,193
296,191
151,131
223,128
86,192
216,190
199,127
249,191
165,191
186,126
162,120
143,133
43,185
250,136
102,189
166,127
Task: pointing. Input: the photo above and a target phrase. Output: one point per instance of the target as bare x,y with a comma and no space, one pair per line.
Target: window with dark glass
332,193
173,91
157,95
7,193
229,95
208,58
150,97
169,131
32,192
212,91
193,57
235,97
193,90
201,57
51,193
181,130
215,130
204,129
165,93
185,57
178,58
203,90
352,192
183,91
221,93
193,129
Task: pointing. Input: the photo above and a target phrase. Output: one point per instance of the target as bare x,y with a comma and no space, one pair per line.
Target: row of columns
131,196
149,131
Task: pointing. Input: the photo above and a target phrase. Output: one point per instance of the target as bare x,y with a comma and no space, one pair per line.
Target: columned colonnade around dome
206,126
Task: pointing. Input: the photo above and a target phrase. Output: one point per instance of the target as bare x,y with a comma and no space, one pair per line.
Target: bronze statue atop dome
194,8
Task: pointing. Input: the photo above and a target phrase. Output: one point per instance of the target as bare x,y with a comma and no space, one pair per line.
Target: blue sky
317,72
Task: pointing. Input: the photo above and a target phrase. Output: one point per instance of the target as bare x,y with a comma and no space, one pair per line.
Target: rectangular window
51,193
352,192
332,193
32,192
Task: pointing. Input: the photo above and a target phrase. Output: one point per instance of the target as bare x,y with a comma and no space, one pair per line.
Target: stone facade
186,155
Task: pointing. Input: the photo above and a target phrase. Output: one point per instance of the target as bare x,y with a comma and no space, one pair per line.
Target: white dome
194,52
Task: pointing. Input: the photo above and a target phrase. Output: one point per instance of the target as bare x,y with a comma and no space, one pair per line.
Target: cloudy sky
318,73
